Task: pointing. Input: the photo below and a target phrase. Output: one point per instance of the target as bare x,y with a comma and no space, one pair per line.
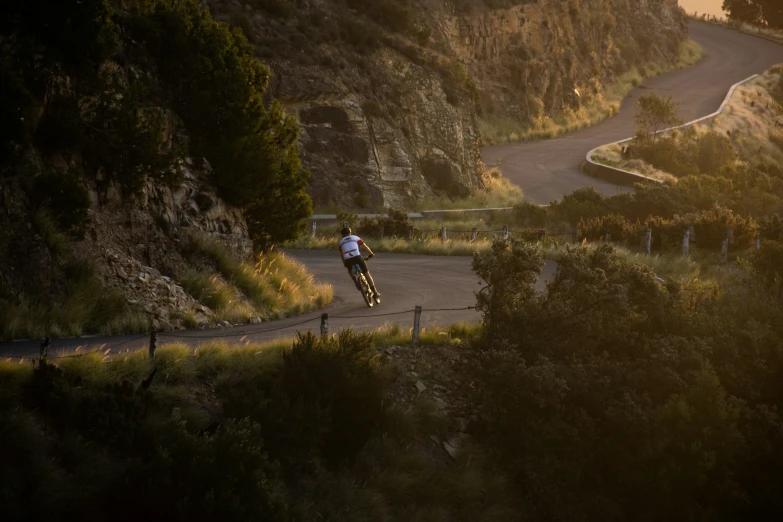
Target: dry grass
602,106
611,155
497,192
272,287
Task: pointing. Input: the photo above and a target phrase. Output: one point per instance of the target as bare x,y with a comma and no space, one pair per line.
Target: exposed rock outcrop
389,108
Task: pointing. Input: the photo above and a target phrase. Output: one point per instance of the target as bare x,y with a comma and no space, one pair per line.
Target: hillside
389,95
140,170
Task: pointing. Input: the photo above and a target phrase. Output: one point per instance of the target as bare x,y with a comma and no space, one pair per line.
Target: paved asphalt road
404,281
547,170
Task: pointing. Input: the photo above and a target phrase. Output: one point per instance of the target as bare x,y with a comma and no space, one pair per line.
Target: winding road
405,281
546,170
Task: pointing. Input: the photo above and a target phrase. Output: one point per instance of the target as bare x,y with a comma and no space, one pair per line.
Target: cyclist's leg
367,276
348,263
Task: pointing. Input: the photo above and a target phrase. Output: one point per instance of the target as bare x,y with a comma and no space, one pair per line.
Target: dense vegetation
763,12
612,397
92,83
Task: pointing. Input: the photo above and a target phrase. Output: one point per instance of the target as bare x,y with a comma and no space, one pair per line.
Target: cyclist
350,256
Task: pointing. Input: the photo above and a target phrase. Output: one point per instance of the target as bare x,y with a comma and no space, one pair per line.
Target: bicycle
362,285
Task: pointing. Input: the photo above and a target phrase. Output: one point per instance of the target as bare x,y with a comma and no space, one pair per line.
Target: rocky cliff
388,94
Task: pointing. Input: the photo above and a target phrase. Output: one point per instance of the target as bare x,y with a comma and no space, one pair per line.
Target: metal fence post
758,242
473,235
686,243
724,250
648,241
505,232
410,234
314,227
416,325
324,325
442,234
153,344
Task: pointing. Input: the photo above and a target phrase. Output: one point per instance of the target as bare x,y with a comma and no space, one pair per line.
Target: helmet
346,231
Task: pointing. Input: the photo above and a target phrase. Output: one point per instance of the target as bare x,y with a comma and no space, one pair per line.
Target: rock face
390,116
545,57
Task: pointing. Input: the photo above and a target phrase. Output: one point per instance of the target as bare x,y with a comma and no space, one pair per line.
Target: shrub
619,228
395,224
529,215
767,262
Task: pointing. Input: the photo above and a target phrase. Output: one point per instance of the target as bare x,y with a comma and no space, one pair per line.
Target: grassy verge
275,286
606,104
233,433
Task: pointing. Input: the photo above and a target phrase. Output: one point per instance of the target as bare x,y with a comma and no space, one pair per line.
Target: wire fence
244,332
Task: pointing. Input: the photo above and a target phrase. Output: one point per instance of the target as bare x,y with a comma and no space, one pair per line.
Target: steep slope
389,94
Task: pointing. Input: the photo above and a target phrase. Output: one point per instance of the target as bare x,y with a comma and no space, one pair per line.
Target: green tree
654,114
216,85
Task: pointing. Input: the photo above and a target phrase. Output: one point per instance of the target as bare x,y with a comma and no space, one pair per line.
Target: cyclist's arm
366,247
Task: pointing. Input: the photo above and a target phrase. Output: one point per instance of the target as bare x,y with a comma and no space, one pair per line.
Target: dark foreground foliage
612,397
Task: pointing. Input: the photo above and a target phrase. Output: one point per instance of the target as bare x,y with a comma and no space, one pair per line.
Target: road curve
547,170
405,281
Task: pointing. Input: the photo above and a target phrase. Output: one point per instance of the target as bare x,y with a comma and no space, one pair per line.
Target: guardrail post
758,242
410,234
724,250
473,235
505,232
648,241
416,325
44,348
442,234
314,227
324,325
730,235
153,344
686,243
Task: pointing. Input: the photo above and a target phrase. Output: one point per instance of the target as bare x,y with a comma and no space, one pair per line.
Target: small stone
122,273
451,450
414,374
166,326
226,324
255,320
201,319
389,351
420,386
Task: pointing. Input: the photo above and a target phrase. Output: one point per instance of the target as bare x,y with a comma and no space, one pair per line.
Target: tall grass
274,286
503,130
497,192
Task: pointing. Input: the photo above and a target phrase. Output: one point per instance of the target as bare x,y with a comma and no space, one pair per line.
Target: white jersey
349,246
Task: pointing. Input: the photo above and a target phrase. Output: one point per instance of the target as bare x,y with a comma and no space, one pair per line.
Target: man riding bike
350,255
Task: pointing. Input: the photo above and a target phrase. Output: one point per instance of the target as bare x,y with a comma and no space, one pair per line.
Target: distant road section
547,170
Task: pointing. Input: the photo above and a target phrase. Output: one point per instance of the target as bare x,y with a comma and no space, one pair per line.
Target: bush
767,262
529,215
396,224
619,228
325,403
